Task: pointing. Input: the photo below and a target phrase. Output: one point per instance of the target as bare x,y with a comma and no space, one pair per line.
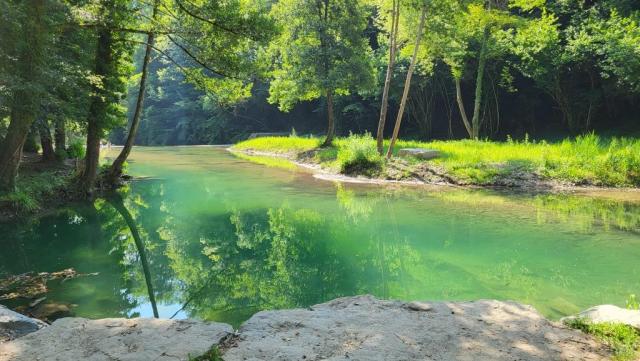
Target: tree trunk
48,154
25,102
97,113
407,84
387,81
60,136
115,171
482,62
463,113
331,126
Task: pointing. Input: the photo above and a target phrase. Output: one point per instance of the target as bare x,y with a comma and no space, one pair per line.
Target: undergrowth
624,340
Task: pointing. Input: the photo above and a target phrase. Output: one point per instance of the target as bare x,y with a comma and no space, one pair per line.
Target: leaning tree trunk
48,154
115,171
387,81
60,136
463,112
482,62
25,102
97,114
331,126
407,84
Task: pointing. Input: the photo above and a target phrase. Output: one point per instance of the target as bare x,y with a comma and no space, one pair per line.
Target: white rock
609,313
14,325
364,328
425,154
116,339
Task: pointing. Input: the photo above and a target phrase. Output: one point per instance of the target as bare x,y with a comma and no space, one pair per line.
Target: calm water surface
215,237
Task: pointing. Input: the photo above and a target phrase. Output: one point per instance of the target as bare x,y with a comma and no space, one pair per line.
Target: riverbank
586,162
357,328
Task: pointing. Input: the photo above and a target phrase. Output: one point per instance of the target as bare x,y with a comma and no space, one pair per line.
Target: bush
358,154
76,149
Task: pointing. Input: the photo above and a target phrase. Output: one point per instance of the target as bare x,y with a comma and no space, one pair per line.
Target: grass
34,188
585,160
213,354
624,340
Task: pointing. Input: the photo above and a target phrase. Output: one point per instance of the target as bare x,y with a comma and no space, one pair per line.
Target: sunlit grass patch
268,161
585,160
279,144
624,340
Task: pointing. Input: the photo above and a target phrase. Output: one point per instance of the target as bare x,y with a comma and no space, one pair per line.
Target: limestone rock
14,325
120,339
364,328
609,313
425,154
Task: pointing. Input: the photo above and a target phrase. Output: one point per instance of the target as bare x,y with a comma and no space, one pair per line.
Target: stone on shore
14,325
425,154
608,313
116,339
364,328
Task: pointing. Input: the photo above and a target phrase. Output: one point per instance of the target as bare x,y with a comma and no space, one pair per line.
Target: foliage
623,339
319,50
357,154
632,302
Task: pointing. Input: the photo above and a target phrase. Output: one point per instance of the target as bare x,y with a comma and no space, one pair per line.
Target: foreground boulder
116,339
14,325
608,313
364,328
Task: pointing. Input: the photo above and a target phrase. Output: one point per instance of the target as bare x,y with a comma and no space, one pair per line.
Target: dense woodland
75,73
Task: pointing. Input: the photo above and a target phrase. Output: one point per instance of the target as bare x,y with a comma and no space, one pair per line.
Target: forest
76,73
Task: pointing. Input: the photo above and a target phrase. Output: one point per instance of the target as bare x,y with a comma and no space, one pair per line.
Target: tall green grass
587,159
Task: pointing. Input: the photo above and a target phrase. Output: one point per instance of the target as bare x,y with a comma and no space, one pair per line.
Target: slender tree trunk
115,171
482,62
387,81
97,113
331,126
25,102
48,154
60,136
407,84
463,112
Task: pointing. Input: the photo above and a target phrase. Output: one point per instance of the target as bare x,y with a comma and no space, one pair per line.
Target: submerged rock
14,325
608,313
364,328
116,339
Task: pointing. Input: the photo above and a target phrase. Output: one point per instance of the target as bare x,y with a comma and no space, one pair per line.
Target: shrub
76,149
358,154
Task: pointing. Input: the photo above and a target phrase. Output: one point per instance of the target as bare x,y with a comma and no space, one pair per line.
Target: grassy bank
39,185
585,160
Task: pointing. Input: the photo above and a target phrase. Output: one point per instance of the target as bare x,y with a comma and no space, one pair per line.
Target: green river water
221,238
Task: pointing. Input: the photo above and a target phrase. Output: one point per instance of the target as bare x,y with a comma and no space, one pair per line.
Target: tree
407,83
26,41
393,37
111,62
321,52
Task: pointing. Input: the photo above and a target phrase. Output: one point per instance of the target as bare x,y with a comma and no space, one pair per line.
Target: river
220,238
